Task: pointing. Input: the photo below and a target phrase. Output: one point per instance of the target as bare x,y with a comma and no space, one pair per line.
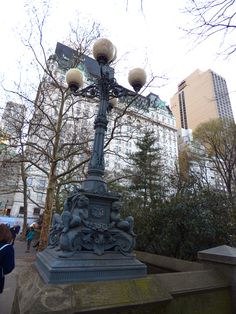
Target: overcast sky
152,38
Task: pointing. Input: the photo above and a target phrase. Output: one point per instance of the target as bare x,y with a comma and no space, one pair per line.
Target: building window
39,197
182,108
42,183
36,211
21,211
29,181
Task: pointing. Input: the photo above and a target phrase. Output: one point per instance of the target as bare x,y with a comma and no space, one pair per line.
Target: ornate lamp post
89,236
105,89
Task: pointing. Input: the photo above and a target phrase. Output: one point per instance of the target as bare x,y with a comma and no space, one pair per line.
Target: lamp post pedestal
86,266
99,248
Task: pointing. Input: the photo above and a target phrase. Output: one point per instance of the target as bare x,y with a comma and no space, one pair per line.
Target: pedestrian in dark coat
7,255
14,231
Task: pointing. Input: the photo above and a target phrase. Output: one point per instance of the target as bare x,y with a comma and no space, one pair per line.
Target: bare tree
212,17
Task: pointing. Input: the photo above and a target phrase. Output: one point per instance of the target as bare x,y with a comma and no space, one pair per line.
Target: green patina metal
156,102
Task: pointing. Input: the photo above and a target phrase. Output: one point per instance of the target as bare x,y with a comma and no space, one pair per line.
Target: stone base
86,266
188,292
34,296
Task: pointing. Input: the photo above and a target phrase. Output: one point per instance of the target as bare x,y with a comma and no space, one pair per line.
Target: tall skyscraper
200,97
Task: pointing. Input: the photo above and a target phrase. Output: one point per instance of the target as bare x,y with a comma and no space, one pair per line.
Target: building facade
200,97
14,127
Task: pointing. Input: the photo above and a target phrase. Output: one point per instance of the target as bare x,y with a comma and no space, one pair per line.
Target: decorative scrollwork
54,237
98,241
114,90
97,212
92,91
98,226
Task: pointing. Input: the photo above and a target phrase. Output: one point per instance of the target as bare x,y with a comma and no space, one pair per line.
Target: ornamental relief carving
97,212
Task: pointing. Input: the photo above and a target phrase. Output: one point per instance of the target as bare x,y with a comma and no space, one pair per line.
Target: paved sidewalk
22,259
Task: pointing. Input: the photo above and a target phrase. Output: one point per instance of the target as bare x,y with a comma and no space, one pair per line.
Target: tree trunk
51,189
25,200
47,215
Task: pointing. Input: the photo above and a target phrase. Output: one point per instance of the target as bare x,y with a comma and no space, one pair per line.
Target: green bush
181,227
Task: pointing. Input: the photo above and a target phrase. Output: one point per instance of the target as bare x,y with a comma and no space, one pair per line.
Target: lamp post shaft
94,181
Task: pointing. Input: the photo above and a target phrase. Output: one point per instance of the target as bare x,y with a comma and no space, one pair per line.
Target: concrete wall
187,289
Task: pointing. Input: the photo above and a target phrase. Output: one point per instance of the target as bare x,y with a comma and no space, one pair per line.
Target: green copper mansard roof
157,103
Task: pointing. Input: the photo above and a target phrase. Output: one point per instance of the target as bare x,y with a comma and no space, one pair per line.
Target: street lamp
90,240
105,89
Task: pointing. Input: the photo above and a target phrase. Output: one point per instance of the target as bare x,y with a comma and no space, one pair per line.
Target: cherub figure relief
75,211
123,224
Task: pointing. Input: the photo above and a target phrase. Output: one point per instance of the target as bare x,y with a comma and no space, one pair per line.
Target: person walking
29,238
14,231
7,254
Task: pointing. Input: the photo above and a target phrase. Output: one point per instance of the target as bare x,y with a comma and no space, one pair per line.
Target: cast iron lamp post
89,240
105,90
